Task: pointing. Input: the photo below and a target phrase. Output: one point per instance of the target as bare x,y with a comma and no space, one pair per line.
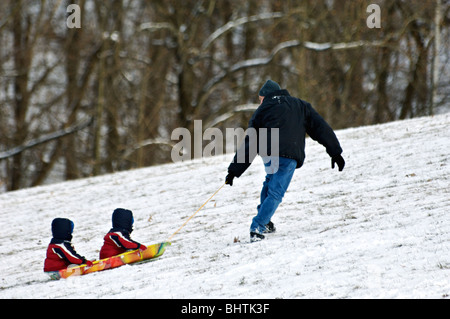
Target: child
60,252
118,240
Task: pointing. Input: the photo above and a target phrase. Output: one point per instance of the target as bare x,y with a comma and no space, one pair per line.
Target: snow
379,229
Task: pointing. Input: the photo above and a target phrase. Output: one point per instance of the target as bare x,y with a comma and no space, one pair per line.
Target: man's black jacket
294,118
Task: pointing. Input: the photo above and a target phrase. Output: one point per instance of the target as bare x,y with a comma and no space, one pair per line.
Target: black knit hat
269,87
62,228
123,219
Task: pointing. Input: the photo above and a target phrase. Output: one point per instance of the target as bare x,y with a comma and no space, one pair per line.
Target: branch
45,139
285,45
223,117
342,46
263,61
155,26
211,84
151,141
233,24
307,45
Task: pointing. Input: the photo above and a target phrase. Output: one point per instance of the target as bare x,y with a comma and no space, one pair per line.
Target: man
293,118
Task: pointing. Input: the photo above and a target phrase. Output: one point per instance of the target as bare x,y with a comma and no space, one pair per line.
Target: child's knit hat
62,228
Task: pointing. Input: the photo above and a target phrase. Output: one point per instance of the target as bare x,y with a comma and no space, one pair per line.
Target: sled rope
170,238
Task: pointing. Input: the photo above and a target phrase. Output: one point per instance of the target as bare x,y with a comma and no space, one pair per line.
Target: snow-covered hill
379,229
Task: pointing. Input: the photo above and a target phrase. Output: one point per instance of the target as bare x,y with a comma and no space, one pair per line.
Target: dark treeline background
77,102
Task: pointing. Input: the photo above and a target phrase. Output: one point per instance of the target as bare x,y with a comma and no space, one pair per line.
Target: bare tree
106,96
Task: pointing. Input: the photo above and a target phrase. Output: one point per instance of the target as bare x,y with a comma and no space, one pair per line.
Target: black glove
229,179
339,160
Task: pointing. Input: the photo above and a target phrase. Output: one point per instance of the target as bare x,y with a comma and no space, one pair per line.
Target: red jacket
61,254
117,242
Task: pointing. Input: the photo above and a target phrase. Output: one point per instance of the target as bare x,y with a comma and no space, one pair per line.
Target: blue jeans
276,183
